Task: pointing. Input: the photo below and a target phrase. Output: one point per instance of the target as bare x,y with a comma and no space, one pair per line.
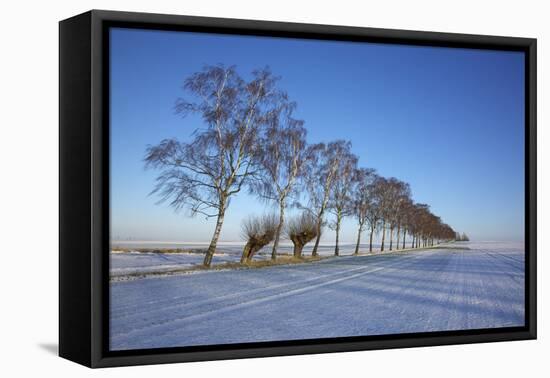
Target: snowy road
431,290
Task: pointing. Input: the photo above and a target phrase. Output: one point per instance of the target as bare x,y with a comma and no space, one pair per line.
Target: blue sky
448,121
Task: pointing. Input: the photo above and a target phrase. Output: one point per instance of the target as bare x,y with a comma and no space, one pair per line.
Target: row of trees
252,140
378,204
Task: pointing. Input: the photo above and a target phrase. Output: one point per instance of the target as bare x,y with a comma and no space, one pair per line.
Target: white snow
125,263
151,262
420,291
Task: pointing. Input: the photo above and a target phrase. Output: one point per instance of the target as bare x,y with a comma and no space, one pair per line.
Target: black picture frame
84,187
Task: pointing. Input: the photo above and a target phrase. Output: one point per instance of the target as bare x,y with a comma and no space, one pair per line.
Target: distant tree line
252,141
461,237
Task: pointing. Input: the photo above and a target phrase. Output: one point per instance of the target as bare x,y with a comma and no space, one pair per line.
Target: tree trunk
252,252
370,241
279,229
404,237
212,247
391,237
358,240
318,238
414,239
397,237
337,248
246,253
383,236
298,250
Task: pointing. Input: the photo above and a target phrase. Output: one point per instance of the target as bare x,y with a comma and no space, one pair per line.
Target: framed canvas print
233,188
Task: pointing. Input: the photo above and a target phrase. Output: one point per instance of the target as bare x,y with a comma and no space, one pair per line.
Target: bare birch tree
340,200
281,157
404,219
205,173
323,163
384,194
420,215
401,193
374,212
391,193
363,200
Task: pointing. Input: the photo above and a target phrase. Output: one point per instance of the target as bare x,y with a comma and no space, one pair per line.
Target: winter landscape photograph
268,189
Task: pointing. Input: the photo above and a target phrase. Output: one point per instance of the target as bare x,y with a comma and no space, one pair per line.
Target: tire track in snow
507,262
130,311
499,308
220,301
445,271
174,322
521,261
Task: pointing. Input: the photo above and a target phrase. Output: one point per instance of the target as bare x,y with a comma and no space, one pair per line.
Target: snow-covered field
126,263
420,291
